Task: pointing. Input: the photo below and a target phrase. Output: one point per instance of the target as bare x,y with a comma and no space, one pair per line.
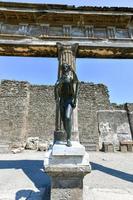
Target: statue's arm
56,89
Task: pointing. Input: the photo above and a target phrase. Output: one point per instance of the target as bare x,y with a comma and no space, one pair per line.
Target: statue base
67,167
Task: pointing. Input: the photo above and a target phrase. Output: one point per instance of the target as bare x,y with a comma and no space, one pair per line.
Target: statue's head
66,67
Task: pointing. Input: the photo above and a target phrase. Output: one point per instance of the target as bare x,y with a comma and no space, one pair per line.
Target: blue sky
116,74
125,3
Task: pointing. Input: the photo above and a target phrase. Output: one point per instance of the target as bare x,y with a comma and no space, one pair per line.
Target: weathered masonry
66,32
29,111
34,30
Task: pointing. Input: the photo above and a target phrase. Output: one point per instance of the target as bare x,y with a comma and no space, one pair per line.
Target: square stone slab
62,150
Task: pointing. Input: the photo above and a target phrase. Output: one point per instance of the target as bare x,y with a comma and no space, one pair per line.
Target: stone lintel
49,49
30,30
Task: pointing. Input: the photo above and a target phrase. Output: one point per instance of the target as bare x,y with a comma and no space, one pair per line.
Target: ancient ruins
30,30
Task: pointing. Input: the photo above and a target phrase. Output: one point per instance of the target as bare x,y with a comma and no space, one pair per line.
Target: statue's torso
66,87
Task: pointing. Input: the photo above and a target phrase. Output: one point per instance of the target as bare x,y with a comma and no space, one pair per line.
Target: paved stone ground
22,176
111,177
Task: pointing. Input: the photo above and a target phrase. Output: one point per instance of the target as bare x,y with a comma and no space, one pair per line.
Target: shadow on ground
34,170
113,172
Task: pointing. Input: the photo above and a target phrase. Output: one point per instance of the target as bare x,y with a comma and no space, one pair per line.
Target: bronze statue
66,91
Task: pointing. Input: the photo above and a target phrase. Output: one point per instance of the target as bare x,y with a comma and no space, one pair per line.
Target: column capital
67,47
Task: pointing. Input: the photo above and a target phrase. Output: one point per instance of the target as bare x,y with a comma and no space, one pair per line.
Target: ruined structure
29,110
34,30
30,30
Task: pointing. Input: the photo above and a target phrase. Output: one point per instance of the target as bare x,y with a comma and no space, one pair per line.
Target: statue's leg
62,113
68,123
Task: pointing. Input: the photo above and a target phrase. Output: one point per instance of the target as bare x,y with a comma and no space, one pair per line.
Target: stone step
90,147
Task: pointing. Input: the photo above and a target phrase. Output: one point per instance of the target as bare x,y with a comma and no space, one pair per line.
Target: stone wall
29,110
113,127
41,114
114,106
92,97
14,97
128,107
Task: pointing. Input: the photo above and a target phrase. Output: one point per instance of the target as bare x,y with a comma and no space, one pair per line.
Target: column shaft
67,54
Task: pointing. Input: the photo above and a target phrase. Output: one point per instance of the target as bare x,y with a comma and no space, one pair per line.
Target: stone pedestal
67,167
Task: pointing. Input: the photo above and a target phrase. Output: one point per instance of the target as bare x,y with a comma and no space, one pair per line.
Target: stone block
4,148
66,194
126,146
42,146
123,148
108,147
57,160
65,182
32,143
91,147
17,150
130,147
60,149
113,127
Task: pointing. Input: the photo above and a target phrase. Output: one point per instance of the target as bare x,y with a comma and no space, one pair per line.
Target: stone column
66,54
